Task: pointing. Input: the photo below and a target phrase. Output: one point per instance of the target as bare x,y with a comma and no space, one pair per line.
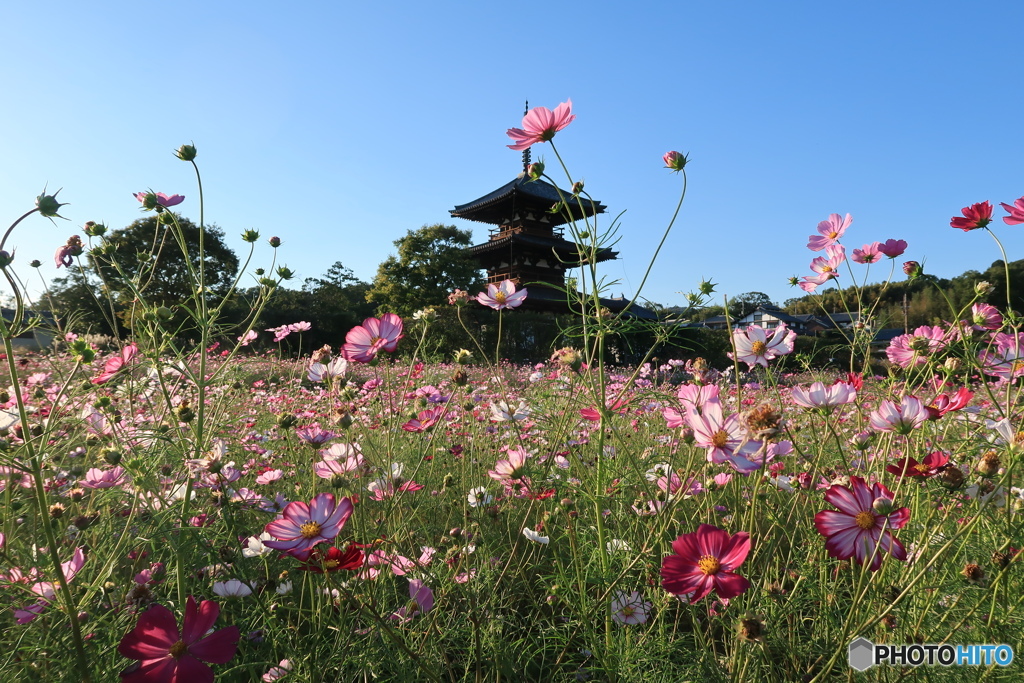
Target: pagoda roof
565,249
523,194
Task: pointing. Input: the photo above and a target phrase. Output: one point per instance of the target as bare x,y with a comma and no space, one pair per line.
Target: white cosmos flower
534,536
254,545
478,496
232,588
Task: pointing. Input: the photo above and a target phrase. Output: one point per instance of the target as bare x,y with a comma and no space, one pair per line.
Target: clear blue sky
338,126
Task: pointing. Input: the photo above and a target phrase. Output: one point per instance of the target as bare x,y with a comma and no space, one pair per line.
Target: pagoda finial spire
526,152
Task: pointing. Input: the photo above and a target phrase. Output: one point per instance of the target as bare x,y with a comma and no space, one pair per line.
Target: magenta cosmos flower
167,655
502,296
302,526
540,125
861,527
893,248
915,349
829,231
754,347
375,334
706,560
974,216
115,364
1016,212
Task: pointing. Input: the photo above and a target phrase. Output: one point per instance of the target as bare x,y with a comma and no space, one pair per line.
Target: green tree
746,303
431,263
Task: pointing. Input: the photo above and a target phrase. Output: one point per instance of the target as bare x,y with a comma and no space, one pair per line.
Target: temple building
528,245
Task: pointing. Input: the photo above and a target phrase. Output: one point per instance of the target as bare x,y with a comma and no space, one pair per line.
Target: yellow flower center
922,468
759,347
627,612
178,649
720,438
331,564
833,235
826,269
310,529
709,565
865,520
499,296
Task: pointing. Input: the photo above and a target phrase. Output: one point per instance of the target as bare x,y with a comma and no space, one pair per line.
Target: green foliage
431,263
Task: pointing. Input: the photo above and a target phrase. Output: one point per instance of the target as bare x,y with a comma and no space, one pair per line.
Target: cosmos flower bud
882,505
285,273
6,258
35,263
675,161
48,205
913,269
186,152
275,242
577,187
535,170
94,229
111,456
250,236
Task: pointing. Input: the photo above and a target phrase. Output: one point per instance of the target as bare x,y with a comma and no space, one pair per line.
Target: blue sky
339,126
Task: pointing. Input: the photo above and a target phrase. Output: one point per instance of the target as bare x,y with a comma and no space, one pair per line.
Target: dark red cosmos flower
974,216
167,655
944,404
706,560
351,558
932,464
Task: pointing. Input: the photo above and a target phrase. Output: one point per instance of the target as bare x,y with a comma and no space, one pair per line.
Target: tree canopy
431,263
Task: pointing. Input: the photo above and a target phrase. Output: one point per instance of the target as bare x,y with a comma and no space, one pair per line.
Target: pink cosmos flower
893,248
753,346
869,253
424,420
164,200
421,601
902,419
706,560
375,334
974,216
828,266
861,528
540,125
314,434
945,404
116,363
301,326
302,526
96,478
932,464
916,348
1016,212
829,231
629,608
1005,361
167,655
724,437
818,396
279,332
502,296
985,317
512,467
248,337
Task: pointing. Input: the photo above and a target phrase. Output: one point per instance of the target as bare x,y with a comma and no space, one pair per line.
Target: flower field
192,512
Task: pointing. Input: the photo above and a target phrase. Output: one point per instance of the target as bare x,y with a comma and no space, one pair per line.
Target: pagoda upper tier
527,201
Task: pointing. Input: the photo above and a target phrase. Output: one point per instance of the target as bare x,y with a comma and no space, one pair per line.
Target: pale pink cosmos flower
869,253
232,588
502,296
1016,212
512,467
301,326
723,437
276,672
629,608
540,125
827,266
96,478
248,337
302,526
424,420
314,434
363,342
861,527
1005,360
904,418
915,349
319,372
279,332
754,347
819,396
269,477
46,590
164,200
829,231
